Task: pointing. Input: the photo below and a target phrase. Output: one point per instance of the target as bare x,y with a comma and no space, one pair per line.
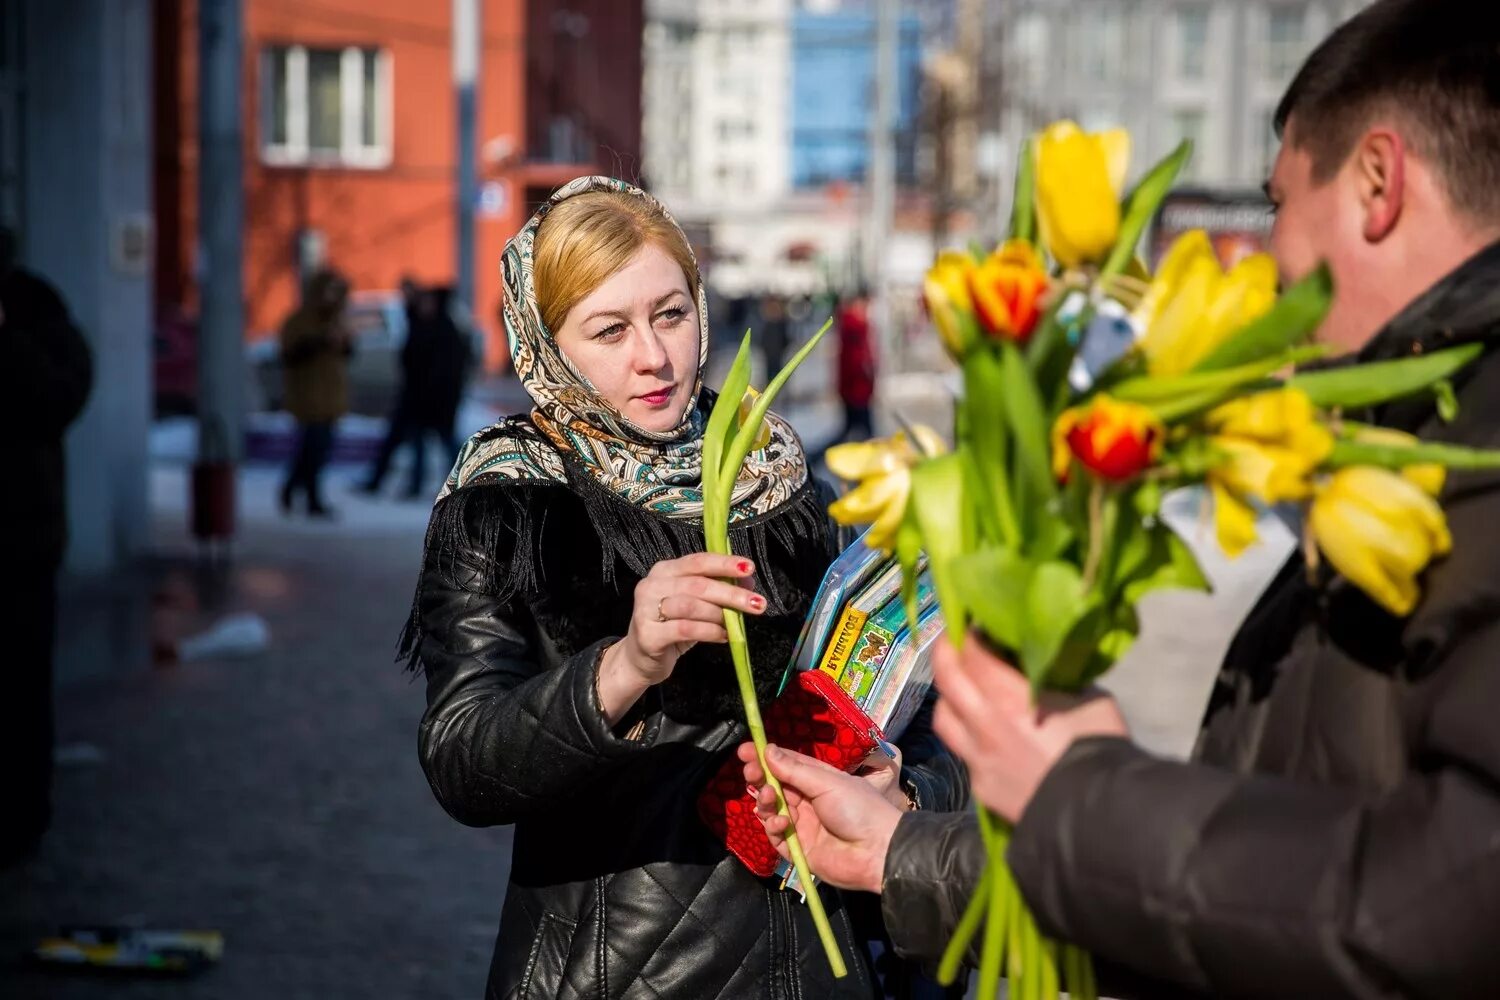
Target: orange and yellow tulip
1007,291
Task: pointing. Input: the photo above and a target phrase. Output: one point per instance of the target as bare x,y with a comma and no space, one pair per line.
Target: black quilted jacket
617,888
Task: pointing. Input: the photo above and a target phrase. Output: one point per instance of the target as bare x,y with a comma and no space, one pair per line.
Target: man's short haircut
1434,67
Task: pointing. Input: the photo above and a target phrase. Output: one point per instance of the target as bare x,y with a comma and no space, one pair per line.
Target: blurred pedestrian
315,348
774,333
435,362
856,369
45,375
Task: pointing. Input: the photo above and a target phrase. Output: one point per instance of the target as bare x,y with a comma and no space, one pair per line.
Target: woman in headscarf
570,628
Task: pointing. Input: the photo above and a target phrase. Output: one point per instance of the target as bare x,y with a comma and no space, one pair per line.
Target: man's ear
1380,173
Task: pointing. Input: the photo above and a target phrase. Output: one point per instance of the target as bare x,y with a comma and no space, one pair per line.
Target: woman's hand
844,823
883,773
679,604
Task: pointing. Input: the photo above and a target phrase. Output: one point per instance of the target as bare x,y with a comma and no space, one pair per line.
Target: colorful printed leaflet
863,667
839,647
907,675
854,567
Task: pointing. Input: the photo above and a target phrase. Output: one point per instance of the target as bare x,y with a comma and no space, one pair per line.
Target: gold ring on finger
661,615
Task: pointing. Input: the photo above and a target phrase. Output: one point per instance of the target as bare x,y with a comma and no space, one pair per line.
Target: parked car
378,320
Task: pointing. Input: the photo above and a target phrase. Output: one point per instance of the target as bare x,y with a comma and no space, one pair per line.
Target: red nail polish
744,566
758,603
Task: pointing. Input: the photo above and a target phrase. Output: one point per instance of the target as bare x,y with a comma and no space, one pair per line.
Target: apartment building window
326,107
1285,27
1103,35
1192,42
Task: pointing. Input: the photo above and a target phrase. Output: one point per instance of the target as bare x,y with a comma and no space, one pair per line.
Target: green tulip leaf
1023,202
1031,436
1151,390
724,418
908,555
1141,205
1446,400
1395,456
1291,321
1056,602
735,454
937,504
988,435
1382,381
1171,564
993,582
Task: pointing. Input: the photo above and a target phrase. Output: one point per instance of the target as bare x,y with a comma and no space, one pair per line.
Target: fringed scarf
658,472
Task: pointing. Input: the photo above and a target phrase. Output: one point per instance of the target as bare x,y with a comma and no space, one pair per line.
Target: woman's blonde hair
587,238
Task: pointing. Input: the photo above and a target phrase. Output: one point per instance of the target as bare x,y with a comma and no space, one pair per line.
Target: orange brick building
350,137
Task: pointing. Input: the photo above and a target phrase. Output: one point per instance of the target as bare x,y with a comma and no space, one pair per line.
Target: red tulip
1113,440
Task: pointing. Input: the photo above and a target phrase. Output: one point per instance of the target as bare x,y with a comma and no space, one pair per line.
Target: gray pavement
276,798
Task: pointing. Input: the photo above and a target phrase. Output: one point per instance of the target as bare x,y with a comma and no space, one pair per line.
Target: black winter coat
1339,833
45,375
617,888
435,363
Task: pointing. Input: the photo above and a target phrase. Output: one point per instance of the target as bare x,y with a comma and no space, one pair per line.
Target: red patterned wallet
813,716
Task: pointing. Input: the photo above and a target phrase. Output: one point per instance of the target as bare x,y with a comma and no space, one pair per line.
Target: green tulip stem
723,455
992,954
968,925
1096,534
739,651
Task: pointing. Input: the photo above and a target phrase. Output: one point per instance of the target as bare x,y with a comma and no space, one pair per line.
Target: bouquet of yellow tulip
1042,527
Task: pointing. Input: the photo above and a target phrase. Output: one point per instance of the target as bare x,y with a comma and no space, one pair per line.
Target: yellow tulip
882,468
1269,444
1193,306
1279,418
1080,177
946,292
763,433
1379,530
1429,477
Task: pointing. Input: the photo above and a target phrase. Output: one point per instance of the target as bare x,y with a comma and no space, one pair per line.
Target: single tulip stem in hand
735,427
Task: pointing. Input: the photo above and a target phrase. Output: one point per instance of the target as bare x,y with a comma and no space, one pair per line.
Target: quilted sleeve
505,733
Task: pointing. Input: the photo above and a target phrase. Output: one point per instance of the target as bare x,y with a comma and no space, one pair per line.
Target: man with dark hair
1338,832
45,375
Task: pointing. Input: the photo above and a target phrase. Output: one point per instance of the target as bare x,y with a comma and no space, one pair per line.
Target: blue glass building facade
833,96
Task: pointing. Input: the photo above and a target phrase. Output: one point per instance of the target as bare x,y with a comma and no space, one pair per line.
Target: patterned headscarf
658,471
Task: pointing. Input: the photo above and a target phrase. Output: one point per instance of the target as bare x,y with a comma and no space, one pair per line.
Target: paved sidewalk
276,798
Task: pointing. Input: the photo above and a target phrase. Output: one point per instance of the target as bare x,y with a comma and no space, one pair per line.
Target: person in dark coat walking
775,334
435,362
1338,832
315,346
45,375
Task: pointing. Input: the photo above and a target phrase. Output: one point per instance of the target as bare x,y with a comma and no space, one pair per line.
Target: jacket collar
1460,308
